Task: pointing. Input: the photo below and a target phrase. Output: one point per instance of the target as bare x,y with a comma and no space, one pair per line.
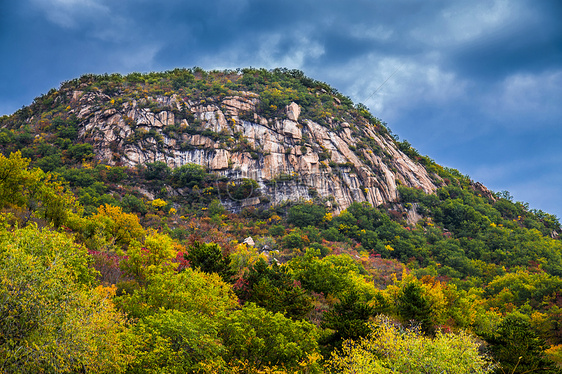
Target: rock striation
291,157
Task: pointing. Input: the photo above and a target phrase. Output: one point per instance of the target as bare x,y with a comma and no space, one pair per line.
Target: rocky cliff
345,158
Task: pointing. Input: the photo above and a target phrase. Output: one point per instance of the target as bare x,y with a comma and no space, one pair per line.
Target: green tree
518,349
349,319
32,191
331,275
277,230
178,318
303,215
208,257
153,255
171,341
17,183
293,241
413,306
81,151
189,290
259,339
157,171
272,287
243,189
188,175
56,203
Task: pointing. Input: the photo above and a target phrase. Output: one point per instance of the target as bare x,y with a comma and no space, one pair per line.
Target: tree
293,241
188,175
172,341
303,215
272,287
210,259
56,203
189,290
33,190
413,306
335,275
242,189
153,255
349,319
158,170
51,319
259,339
178,316
16,181
80,151
390,349
518,349
115,225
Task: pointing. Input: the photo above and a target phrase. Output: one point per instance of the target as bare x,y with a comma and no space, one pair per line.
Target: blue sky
476,85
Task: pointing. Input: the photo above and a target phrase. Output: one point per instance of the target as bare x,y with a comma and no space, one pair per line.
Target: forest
97,278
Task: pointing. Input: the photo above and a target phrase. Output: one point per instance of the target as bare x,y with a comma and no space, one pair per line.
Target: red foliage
182,262
108,266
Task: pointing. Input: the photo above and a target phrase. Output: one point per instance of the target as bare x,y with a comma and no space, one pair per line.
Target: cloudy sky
476,85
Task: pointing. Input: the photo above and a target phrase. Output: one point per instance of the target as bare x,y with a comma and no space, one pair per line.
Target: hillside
256,221
269,127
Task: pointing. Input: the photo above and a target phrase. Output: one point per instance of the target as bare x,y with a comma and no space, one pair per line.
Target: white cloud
463,22
526,99
137,58
268,50
370,32
69,13
100,21
390,85
269,53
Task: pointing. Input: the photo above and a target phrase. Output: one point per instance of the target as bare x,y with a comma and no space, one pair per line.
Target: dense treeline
113,291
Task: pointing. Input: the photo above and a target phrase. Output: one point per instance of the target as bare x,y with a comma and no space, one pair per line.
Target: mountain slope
297,138
141,165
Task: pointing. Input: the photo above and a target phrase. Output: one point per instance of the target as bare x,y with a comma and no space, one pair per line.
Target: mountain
256,221
296,137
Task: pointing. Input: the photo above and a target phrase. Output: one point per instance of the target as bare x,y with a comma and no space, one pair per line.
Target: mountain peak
297,138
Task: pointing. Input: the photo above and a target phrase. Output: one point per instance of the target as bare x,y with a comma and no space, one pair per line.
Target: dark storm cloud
344,29
521,46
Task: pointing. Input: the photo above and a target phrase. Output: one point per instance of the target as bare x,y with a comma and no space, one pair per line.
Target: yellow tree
52,319
115,225
391,349
153,255
33,191
16,181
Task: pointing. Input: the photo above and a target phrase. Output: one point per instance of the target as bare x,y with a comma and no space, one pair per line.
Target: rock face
291,158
